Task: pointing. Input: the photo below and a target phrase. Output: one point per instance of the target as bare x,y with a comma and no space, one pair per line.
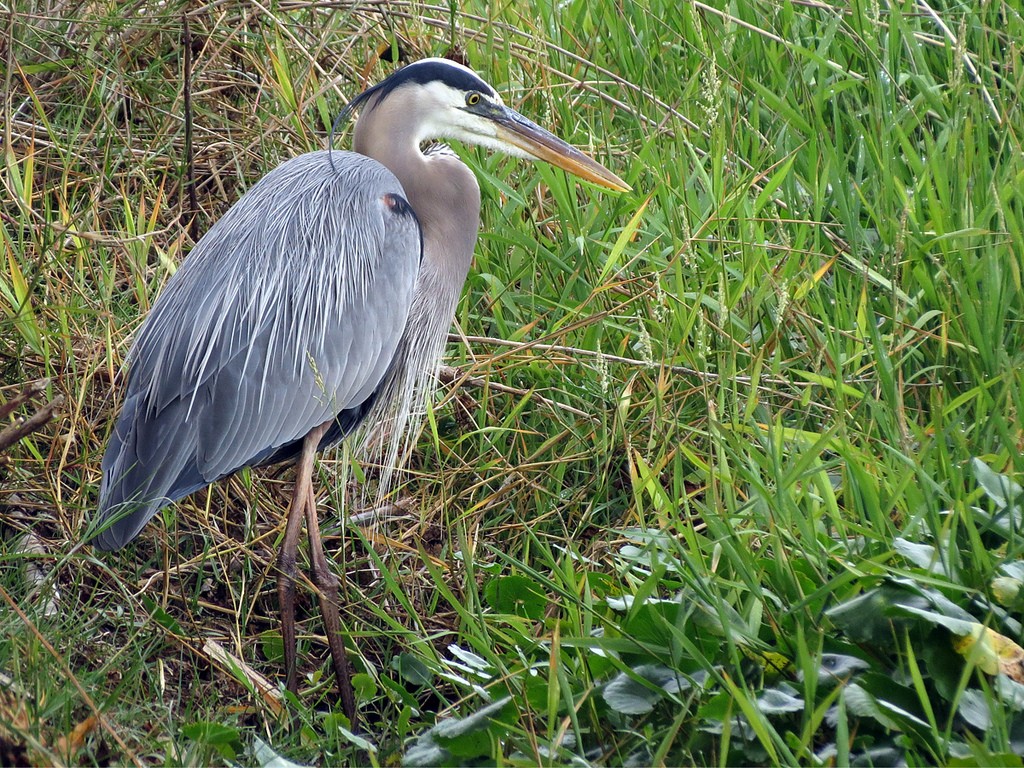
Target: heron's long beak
529,137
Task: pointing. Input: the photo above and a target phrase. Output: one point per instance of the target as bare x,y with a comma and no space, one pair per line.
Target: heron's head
441,99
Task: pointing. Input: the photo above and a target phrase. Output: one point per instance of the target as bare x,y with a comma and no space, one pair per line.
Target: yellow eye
473,99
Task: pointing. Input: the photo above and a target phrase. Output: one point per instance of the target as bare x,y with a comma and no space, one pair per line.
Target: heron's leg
327,583
301,495
287,572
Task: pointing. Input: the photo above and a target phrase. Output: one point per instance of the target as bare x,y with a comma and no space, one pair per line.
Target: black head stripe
421,73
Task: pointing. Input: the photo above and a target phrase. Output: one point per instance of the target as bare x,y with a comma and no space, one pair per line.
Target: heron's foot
327,583
286,596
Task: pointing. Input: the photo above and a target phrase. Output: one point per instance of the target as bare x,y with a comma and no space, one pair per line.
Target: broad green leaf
955,625
411,669
1006,522
465,737
862,703
481,720
335,721
211,733
869,617
364,685
864,618
516,595
922,555
775,701
272,645
426,752
1013,569
999,488
973,708
475,662
638,693
470,744
1011,693
226,740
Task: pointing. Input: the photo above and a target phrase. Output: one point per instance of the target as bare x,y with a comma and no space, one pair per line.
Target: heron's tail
143,472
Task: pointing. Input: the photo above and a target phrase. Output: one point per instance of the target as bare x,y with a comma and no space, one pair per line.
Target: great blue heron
326,291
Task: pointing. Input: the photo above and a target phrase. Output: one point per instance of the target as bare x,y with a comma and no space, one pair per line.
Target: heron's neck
442,191
446,198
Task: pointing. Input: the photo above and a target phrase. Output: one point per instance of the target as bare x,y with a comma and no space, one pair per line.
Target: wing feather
286,313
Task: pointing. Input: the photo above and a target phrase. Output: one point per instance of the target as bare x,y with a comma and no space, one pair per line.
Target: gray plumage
283,316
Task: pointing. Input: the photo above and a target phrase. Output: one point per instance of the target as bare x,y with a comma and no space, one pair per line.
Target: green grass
731,464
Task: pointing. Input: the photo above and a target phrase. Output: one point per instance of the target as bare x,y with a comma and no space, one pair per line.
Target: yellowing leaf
624,238
1005,589
991,652
771,661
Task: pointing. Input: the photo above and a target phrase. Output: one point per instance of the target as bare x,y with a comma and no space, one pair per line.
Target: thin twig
450,375
29,391
704,376
20,429
190,168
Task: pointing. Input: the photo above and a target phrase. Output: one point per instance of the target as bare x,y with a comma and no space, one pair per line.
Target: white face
446,116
